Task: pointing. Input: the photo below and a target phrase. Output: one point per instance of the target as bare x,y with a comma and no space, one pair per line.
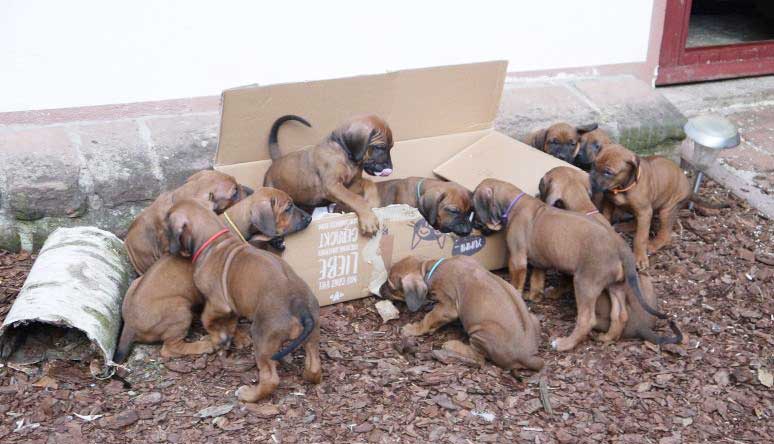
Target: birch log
75,288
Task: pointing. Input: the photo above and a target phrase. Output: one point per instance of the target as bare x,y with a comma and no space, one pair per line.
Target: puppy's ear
262,220
539,139
246,191
414,291
429,203
581,129
543,186
484,205
180,238
635,166
356,141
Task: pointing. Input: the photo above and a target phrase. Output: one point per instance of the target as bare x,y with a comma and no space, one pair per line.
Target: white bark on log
78,281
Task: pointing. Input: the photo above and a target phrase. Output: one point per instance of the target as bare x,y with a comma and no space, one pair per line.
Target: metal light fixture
710,134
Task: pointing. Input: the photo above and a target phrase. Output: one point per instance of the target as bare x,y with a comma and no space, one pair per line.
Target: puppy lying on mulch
492,312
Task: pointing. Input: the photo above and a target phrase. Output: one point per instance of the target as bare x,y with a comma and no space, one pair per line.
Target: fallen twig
695,231
544,396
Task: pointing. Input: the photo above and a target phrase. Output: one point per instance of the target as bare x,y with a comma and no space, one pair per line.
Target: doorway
716,39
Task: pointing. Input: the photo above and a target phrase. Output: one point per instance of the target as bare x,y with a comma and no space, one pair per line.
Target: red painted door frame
678,64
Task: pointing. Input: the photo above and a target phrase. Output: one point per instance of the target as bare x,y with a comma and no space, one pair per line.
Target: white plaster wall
56,53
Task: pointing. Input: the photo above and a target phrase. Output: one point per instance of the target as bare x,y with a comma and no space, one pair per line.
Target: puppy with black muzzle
145,242
447,206
570,243
590,144
560,140
327,172
570,189
492,312
640,186
159,305
238,280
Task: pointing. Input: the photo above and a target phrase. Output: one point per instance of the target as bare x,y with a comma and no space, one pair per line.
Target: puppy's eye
453,210
211,197
609,172
555,141
289,208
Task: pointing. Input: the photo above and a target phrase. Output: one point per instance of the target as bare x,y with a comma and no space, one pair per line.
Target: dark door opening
716,39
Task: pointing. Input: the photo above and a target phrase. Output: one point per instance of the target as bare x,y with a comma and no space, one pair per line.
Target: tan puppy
568,188
159,305
145,241
238,280
325,173
560,140
571,243
491,311
641,186
590,144
447,206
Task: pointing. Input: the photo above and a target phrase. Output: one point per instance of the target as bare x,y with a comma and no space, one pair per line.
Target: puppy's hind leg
667,217
537,281
618,314
265,344
586,294
312,366
466,351
175,333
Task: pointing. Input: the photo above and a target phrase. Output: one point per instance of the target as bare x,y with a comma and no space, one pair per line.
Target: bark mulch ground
717,278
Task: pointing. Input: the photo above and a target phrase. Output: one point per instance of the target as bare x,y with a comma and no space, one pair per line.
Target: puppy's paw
246,393
411,330
642,262
369,224
562,344
534,296
655,245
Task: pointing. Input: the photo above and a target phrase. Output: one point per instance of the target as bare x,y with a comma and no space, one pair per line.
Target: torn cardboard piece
70,304
442,122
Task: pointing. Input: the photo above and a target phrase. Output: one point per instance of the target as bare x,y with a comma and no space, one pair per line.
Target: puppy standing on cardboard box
568,242
327,172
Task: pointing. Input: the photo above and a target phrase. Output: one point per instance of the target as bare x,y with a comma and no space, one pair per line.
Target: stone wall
103,172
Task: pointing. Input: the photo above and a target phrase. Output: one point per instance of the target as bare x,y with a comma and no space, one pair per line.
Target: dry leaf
765,377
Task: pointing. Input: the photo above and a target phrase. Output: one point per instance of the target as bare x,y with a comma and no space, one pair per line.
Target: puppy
325,173
159,305
238,280
570,189
641,186
590,144
447,206
571,243
491,311
145,242
560,140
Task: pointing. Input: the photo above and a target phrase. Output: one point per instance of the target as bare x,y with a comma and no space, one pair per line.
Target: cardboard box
442,122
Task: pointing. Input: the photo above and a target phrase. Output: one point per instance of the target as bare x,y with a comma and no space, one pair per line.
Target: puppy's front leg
537,283
439,316
339,194
643,216
517,267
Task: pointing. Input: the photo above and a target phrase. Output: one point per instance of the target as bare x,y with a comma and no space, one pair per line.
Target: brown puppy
145,241
560,140
491,311
641,186
238,280
447,206
159,304
590,144
568,188
568,242
325,173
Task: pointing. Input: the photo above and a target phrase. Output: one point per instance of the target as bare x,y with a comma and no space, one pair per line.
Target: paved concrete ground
748,170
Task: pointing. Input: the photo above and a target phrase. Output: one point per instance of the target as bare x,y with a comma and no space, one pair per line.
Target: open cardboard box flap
442,122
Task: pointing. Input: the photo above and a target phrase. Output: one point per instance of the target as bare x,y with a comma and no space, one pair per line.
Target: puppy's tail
307,323
274,150
633,280
127,337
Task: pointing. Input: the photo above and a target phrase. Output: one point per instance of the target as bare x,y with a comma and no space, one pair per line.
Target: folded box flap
500,157
416,103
